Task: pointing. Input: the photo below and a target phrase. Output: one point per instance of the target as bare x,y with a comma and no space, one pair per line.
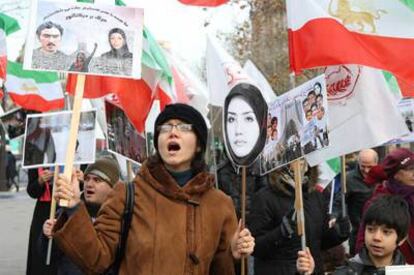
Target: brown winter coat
174,230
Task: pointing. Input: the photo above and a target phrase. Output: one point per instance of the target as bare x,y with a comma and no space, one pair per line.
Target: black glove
343,226
288,225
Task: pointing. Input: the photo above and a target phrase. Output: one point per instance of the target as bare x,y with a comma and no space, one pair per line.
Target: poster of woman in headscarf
244,123
297,124
84,37
47,135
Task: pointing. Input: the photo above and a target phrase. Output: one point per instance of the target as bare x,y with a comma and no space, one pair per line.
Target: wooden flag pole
52,213
243,213
300,217
343,185
73,134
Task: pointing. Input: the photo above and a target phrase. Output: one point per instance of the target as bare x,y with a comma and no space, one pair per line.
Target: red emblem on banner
341,81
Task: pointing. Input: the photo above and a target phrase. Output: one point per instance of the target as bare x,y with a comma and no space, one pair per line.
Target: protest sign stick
243,213
52,213
73,134
300,217
130,174
343,185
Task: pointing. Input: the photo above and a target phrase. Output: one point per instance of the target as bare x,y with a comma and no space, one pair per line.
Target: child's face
380,240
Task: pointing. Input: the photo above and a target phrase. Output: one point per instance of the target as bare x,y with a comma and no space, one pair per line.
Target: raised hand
69,191
305,263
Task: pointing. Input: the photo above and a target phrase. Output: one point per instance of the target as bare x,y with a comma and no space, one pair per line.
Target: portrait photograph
14,122
297,125
47,136
85,38
244,123
123,139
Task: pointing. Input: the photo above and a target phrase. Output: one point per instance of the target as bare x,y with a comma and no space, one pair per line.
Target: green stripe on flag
8,24
408,3
16,69
153,57
392,83
334,164
119,3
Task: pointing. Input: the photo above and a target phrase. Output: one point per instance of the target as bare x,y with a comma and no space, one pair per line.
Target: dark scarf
405,191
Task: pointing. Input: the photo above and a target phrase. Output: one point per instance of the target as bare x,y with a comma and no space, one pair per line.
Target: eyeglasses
166,128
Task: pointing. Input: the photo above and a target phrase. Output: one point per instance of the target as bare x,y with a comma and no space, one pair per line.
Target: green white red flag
32,90
8,25
377,33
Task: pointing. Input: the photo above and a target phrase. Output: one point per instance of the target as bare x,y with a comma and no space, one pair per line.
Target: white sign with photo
14,122
85,38
47,136
406,107
399,270
297,124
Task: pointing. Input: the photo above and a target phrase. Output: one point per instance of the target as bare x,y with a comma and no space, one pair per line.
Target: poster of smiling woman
86,38
245,121
297,124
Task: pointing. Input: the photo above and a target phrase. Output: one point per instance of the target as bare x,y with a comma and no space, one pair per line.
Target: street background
16,210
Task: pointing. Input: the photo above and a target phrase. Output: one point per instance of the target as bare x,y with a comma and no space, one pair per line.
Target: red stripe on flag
136,101
37,103
3,67
407,89
326,42
133,95
181,86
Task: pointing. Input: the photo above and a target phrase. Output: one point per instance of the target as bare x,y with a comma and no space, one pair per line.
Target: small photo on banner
123,138
406,107
84,37
14,122
297,124
47,136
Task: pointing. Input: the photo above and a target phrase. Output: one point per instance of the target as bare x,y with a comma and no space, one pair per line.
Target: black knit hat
105,168
187,114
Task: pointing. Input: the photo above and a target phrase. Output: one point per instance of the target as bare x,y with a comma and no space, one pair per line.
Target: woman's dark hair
391,211
273,120
123,51
252,95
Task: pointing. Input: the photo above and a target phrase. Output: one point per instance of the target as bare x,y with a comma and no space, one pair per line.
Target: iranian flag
32,90
328,170
8,25
377,33
204,3
135,96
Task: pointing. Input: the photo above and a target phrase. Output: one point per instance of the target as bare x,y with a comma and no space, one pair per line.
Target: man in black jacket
358,192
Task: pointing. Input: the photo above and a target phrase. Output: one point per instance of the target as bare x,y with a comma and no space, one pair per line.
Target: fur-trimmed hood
278,180
155,173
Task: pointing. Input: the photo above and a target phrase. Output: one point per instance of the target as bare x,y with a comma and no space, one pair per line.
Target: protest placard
85,38
297,124
14,122
47,135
